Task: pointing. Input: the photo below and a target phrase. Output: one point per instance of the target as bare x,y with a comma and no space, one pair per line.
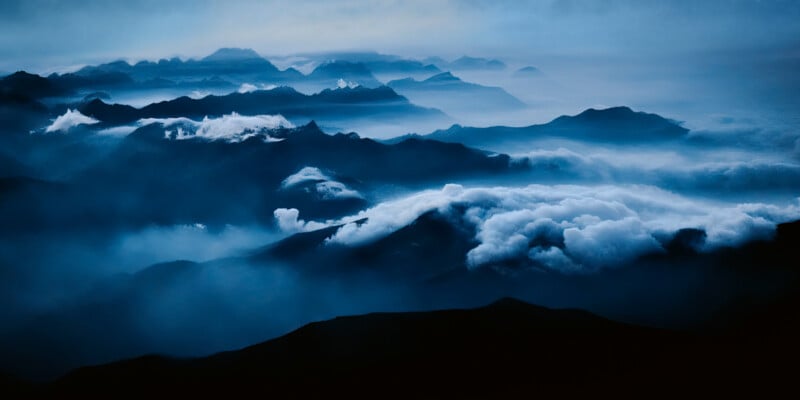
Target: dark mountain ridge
329,104
506,348
451,94
618,125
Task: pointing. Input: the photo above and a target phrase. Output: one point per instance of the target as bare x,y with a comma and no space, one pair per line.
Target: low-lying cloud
567,228
325,186
671,171
342,84
69,119
230,127
289,221
249,87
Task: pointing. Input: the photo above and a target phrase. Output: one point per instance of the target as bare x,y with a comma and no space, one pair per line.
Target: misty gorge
465,199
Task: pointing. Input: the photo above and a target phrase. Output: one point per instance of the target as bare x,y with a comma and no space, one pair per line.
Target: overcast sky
42,34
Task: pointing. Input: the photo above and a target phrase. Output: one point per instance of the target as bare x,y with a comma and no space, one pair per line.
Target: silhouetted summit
232,54
528,71
452,95
443,77
466,62
619,125
348,71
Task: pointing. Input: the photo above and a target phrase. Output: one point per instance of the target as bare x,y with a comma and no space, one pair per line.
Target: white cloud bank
568,228
342,84
231,127
289,221
326,187
70,119
249,87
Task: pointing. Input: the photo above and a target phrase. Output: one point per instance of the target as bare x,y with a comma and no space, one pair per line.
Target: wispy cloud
325,186
69,119
231,127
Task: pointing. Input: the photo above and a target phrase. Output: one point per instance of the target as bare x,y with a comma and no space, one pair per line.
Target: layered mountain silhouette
618,125
148,178
328,105
382,64
467,63
356,73
528,72
449,93
243,63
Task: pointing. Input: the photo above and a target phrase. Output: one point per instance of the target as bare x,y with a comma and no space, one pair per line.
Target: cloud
304,175
288,221
123,130
592,227
249,87
609,242
735,176
342,84
193,242
199,94
331,190
68,120
230,127
747,172
325,186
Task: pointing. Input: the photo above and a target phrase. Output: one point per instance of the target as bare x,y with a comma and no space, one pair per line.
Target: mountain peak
311,126
618,111
528,71
443,77
232,54
466,62
622,121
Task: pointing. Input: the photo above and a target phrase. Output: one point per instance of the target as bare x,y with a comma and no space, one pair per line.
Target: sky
51,34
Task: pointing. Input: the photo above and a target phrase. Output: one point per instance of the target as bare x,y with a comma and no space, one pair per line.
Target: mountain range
328,105
219,182
615,125
466,63
454,96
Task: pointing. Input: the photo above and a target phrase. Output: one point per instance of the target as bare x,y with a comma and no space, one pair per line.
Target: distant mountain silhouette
528,71
339,104
449,93
506,348
244,63
378,63
232,54
619,125
476,63
467,63
351,72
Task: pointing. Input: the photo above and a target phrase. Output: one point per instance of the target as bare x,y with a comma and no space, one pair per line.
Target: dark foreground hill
506,348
